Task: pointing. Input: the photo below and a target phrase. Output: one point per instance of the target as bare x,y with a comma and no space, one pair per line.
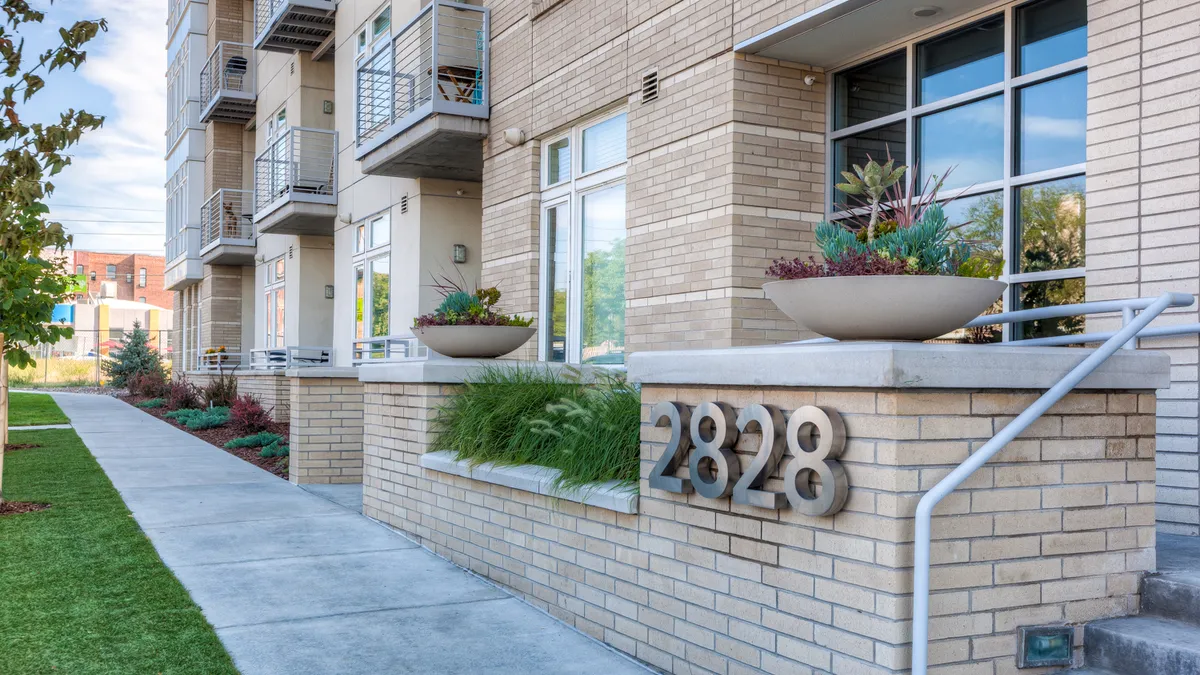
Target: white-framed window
372,277
373,65
275,297
582,295
142,274
110,272
1002,98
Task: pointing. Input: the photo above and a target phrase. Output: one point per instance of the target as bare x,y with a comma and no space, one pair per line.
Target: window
583,244
79,269
375,91
93,276
142,299
110,272
1002,120
129,277
372,278
142,277
275,304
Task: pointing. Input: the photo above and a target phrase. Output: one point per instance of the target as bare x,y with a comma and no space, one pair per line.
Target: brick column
326,431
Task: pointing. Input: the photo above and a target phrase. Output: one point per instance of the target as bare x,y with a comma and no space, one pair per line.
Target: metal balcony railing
300,165
438,63
290,357
227,91
220,361
292,25
388,348
226,219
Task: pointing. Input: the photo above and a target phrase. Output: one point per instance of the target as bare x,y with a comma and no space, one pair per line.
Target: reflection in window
979,221
869,91
1051,32
1051,225
876,144
968,139
558,272
359,300
962,61
604,276
380,295
1052,124
1048,294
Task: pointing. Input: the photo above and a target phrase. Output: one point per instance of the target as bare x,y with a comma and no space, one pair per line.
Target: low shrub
197,419
588,431
247,415
221,391
152,384
276,449
182,395
152,403
259,440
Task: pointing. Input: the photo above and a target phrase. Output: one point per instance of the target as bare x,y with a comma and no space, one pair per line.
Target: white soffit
843,29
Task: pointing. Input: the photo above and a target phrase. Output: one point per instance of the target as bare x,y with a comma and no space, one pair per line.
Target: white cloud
121,165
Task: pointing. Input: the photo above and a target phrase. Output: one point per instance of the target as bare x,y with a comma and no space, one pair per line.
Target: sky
111,198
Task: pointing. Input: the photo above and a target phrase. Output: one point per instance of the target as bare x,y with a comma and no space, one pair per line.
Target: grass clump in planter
589,431
275,449
259,440
152,403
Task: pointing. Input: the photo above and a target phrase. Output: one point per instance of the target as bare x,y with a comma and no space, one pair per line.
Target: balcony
227,228
295,183
292,25
227,84
423,102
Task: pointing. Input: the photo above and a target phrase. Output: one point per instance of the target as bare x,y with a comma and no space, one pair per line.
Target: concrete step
1143,645
1084,671
1174,596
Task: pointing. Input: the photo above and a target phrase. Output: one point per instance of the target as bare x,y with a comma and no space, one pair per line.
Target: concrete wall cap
349,372
898,365
442,370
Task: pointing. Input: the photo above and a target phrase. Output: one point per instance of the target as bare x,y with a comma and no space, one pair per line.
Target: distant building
121,276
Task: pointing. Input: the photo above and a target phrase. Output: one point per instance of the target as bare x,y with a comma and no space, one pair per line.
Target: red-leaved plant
247,416
849,265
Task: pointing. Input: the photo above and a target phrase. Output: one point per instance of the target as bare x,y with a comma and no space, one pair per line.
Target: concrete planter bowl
473,342
884,308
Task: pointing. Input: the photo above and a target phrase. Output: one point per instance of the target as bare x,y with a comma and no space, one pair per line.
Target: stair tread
1154,629
1084,671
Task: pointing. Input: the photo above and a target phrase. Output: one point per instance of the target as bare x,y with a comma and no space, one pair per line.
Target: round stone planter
473,342
908,308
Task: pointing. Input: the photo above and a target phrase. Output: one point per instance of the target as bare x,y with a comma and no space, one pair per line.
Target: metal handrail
437,63
387,348
300,164
1135,326
282,358
229,68
220,360
225,218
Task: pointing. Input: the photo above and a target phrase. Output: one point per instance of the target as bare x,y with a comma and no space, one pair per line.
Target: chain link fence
77,361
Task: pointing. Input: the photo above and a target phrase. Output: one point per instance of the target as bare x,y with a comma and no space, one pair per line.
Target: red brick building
137,277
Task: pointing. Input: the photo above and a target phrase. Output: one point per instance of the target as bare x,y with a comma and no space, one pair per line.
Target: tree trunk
3,413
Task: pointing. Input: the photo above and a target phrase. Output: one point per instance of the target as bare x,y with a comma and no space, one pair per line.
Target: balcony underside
439,146
227,106
183,273
298,217
299,26
236,252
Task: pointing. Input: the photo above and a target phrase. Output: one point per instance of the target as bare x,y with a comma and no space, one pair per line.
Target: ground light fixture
1039,646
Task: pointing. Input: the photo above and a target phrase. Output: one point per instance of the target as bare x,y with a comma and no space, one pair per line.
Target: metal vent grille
293,66
404,204
649,86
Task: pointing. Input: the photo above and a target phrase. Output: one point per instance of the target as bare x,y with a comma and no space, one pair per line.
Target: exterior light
926,12
460,253
328,291
1039,646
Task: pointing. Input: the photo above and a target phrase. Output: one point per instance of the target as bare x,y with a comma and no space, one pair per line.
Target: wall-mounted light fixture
460,253
327,107
328,291
514,136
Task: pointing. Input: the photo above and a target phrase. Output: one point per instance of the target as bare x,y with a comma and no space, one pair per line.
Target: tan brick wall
1143,213
221,308
1058,528
326,431
273,390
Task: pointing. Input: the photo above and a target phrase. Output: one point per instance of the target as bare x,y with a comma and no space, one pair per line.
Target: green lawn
81,588
30,409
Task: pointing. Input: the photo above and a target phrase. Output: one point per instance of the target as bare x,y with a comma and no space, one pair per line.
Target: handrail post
924,512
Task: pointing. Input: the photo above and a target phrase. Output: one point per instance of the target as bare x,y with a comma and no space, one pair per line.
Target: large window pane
1050,225
278,319
979,221
604,144
1048,294
360,297
381,231
967,142
962,61
869,91
554,327
876,144
604,276
558,161
381,284
1050,33
1052,124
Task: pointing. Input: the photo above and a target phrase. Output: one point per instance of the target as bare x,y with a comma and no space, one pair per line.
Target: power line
102,208
93,220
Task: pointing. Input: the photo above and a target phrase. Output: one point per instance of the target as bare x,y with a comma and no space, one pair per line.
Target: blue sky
111,198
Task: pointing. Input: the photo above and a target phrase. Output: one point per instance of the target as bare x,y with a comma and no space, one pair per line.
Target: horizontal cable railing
388,348
300,164
229,69
220,360
290,357
438,62
226,217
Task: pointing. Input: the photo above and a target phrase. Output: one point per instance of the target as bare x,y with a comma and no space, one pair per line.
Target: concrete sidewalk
295,583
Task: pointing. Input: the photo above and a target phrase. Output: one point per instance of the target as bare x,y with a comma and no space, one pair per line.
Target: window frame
362,260
570,192
142,274
275,284
1011,182
110,272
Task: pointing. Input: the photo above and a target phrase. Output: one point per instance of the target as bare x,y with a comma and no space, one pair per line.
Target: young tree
135,357
30,154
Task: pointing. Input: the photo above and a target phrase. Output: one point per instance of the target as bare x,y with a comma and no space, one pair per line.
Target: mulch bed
222,435
9,447
15,508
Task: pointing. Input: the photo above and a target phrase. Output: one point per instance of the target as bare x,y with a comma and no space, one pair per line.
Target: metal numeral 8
714,466
820,459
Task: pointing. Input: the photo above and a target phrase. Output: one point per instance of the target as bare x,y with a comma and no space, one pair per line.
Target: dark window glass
875,144
961,61
869,91
1051,32
964,144
1052,124
1048,294
1050,225
557,242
